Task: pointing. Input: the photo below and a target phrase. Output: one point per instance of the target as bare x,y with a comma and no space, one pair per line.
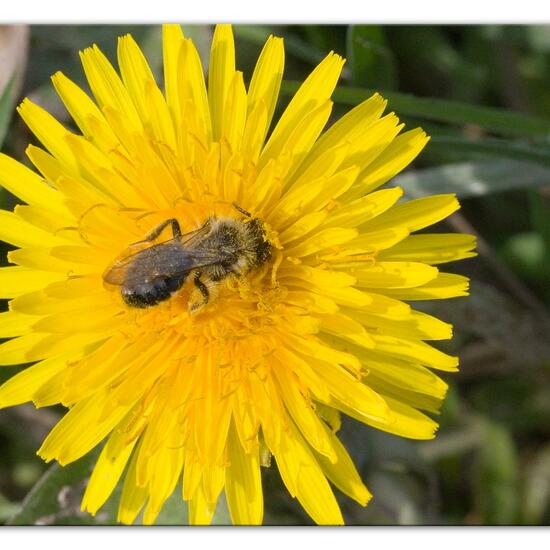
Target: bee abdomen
148,294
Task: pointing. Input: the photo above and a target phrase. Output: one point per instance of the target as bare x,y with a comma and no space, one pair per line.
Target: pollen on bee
271,236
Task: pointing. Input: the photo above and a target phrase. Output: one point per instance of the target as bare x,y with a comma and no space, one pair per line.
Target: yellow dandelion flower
201,292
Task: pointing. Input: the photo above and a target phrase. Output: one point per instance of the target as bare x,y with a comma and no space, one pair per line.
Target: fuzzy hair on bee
221,247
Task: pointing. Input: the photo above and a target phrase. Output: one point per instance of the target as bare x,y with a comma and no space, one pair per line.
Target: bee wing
180,264
188,259
166,260
117,272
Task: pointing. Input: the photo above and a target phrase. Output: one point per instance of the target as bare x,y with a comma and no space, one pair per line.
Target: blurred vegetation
483,93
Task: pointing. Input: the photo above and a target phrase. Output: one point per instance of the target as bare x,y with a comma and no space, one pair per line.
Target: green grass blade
474,179
55,498
370,60
6,109
502,121
491,147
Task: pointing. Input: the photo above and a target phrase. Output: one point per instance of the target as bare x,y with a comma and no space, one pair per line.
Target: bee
221,247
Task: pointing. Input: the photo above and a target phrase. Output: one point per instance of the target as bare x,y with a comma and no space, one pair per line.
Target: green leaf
472,179
55,498
502,121
370,60
6,109
7,508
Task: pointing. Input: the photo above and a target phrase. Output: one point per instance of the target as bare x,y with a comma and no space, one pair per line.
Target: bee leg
176,230
241,210
193,307
152,235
